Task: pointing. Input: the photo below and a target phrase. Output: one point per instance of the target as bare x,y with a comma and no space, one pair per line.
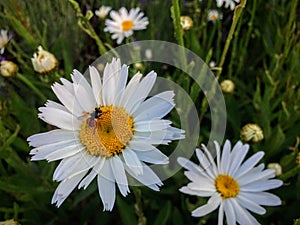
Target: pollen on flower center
227,186
127,25
107,132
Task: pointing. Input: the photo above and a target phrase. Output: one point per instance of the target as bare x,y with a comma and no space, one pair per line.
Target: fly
94,116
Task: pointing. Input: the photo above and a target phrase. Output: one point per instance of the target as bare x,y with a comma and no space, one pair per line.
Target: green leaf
274,143
127,212
164,214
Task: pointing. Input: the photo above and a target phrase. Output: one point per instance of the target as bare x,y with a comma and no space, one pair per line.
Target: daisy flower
213,15
4,39
228,3
43,61
105,130
124,23
102,12
236,187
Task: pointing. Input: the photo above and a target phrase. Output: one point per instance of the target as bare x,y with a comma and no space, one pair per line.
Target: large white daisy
124,23
235,187
106,130
227,3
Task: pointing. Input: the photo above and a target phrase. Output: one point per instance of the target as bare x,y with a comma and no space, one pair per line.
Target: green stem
175,12
248,35
32,86
237,13
138,207
85,25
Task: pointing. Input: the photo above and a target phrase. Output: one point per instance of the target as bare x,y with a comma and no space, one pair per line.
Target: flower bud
44,61
8,68
9,222
186,22
102,12
138,66
252,133
227,86
276,167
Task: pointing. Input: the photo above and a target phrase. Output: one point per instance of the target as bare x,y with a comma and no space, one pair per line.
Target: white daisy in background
44,61
235,187
4,39
124,23
106,130
214,15
102,12
228,3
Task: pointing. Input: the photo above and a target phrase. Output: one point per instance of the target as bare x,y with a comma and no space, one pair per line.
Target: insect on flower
92,120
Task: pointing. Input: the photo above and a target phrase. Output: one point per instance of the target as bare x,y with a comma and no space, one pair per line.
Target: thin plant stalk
31,86
236,15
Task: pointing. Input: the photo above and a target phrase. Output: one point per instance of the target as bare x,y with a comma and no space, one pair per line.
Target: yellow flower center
214,16
227,186
107,132
127,25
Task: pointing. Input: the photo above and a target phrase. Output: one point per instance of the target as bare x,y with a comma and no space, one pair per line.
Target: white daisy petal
238,157
225,158
205,164
119,173
63,153
189,165
55,105
262,198
130,89
155,107
59,118
187,190
62,169
67,99
249,164
262,185
42,152
151,125
154,156
83,163
83,92
141,92
65,188
200,182
111,76
96,84
214,202
53,136
221,214
148,177
243,216
251,177
94,172
121,85
250,205
140,146
107,187
229,211
132,161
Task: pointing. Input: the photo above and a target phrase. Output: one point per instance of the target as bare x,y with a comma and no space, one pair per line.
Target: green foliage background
262,60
